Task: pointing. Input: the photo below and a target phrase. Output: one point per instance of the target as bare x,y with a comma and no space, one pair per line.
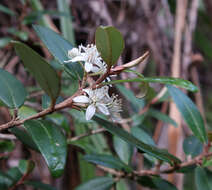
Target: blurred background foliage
145,25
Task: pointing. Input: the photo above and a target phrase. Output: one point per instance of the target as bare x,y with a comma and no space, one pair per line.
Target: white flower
95,100
90,56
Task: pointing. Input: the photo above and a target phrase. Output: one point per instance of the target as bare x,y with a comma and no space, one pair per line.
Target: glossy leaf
59,48
99,183
107,161
123,149
24,137
12,93
151,150
110,43
192,146
201,179
50,142
163,80
43,72
156,183
189,112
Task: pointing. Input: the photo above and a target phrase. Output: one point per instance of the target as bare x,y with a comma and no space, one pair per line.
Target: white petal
90,111
78,58
81,99
88,67
103,108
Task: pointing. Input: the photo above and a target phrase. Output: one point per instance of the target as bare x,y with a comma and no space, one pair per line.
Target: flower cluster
97,100
90,56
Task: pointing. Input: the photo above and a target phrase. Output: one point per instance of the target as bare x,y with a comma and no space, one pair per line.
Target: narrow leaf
50,142
201,179
59,48
163,80
123,149
151,150
99,183
189,112
12,92
107,161
110,43
43,72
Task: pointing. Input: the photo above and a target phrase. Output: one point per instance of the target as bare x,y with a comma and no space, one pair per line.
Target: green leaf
151,150
12,92
43,72
6,146
128,94
5,181
156,183
59,48
161,116
26,166
7,10
66,22
24,137
107,161
121,185
123,149
39,185
20,34
51,143
189,112
201,179
4,41
46,101
99,183
110,43
192,146
25,112
142,135
163,80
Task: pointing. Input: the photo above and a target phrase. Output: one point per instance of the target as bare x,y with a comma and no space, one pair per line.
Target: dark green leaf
24,137
192,146
110,43
39,185
156,183
43,72
201,179
26,166
99,183
59,48
51,143
5,181
6,146
142,135
189,112
123,149
151,150
12,92
107,161
163,80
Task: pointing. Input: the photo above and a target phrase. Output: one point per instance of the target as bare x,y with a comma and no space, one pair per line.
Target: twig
93,132
7,136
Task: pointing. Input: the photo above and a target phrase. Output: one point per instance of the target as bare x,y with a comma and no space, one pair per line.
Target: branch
93,132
